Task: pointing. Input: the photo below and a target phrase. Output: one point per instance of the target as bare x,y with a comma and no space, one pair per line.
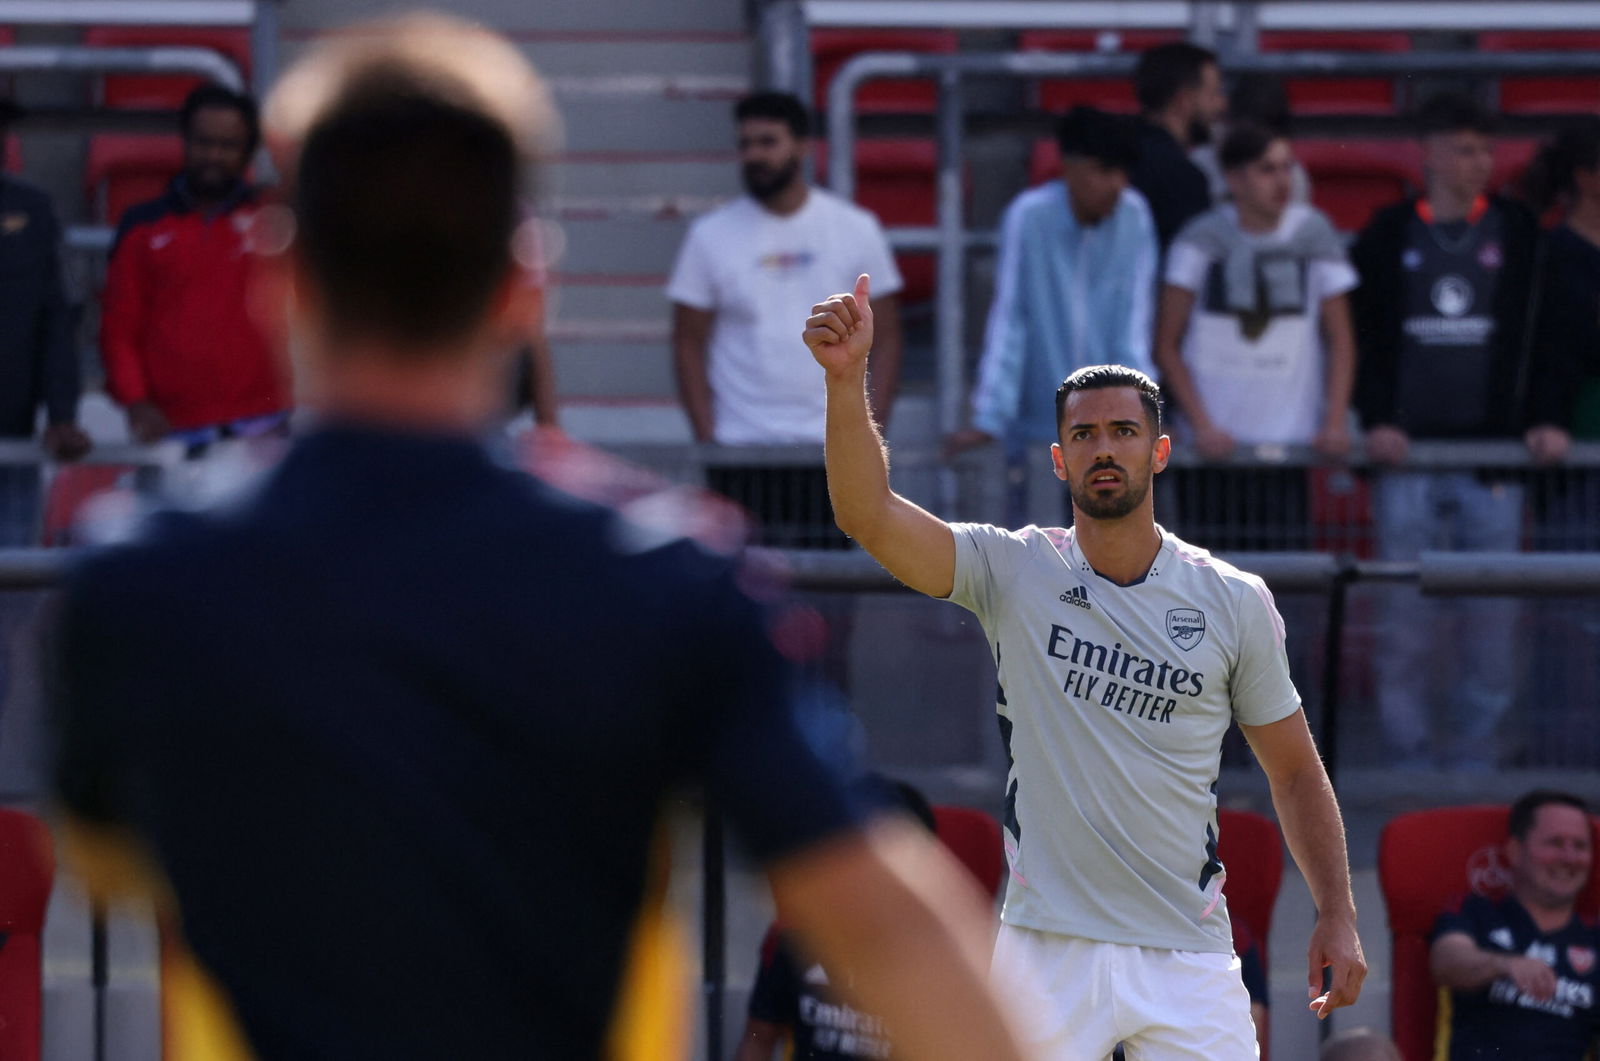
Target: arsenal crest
1186,627
1581,959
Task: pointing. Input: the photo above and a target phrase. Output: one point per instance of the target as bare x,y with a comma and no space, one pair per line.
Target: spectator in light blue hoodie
1075,287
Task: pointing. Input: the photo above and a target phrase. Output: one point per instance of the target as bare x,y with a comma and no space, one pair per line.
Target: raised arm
1309,815
914,545
910,934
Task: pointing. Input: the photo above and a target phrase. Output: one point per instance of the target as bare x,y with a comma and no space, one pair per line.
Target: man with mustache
1124,654
747,271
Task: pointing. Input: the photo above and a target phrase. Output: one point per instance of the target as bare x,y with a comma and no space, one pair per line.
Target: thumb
863,289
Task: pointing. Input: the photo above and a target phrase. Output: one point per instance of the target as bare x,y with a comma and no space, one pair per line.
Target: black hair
406,252
1110,139
1519,823
1101,377
1454,111
1260,98
1550,175
778,107
213,95
1245,143
1168,69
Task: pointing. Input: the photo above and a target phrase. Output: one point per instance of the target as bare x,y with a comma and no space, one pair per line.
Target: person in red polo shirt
182,354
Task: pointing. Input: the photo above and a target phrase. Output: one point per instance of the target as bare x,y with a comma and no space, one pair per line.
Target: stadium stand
1109,93
1545,95
1338,95
27,872
1252,850
896,180
1352,178
124,169
831,48
160,91
1426,859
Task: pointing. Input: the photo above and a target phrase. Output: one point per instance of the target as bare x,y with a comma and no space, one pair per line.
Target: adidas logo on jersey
1078,597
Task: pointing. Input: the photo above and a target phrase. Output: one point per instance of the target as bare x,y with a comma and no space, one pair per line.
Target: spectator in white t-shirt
1253,335
746,273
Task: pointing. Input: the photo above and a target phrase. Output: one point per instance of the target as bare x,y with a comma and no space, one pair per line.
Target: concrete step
665,173
595,55
622,247
642,123
602,297
614,368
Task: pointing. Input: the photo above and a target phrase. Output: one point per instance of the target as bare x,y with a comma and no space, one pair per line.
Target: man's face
216,150
1210,104
1108,453
770,156
1262,187
1093,188
1459,162
1551,865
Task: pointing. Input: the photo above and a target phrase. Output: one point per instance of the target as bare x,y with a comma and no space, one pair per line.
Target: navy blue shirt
1501,1022
398,728
38,365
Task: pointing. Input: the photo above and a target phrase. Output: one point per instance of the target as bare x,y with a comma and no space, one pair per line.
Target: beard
1114,506
210,182
766,182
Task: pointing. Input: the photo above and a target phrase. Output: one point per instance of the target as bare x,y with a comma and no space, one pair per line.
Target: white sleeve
1259,683
1186,266
1330,277
877,258
692,282
986,563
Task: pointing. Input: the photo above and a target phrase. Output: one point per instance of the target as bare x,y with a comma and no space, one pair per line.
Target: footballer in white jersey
1123,655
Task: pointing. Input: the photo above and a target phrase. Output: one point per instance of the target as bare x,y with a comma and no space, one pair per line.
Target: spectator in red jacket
181,351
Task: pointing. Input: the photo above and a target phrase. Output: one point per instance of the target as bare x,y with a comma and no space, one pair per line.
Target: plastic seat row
831,48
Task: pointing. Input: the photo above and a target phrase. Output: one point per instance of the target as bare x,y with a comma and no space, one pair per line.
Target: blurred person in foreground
1073,287
1124,655
376,730
185,354
1441,319
1522,971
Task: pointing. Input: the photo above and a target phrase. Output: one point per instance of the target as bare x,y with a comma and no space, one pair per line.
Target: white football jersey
1113,703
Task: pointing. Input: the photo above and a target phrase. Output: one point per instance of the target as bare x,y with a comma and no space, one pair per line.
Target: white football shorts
1076,999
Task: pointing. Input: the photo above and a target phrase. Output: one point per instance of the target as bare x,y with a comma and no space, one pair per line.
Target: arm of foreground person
908,934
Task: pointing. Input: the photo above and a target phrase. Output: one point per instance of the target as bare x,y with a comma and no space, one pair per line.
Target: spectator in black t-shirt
1179,88
398,730
1522,970
1441,326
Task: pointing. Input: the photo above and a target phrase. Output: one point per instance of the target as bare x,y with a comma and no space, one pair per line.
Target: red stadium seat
1252,851
1337,95
1107,93
163,91
1351,179
1341,512
830,48
1511,159
124,170
27,870
1425,860
974,838
898,181
1044,162
1573,94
